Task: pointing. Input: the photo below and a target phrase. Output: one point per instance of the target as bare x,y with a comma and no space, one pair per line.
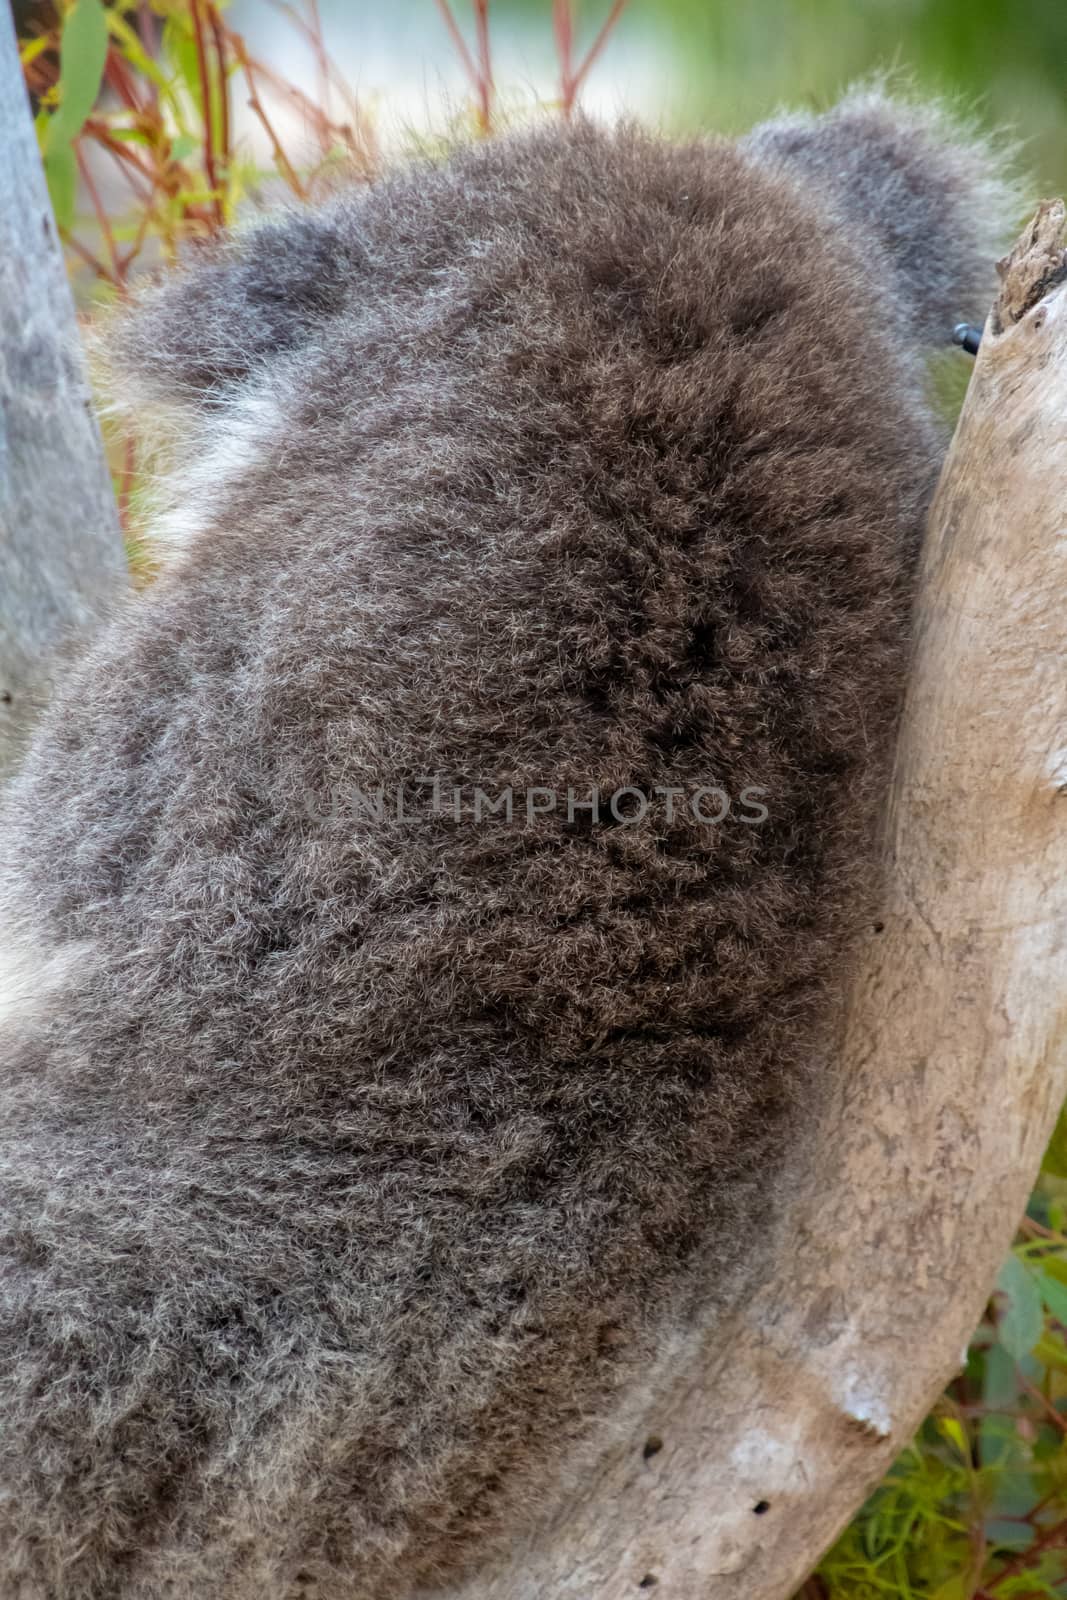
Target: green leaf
1014,1489
82,53
1008,1535
1051,1352
1056,1155
951,1430
179,51
30,49
183,146
955,1588
1054,1294
133,51
61,174
1054,1266
1023,1322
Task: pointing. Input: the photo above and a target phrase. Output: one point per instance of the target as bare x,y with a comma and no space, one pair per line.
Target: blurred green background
724,63
1009,56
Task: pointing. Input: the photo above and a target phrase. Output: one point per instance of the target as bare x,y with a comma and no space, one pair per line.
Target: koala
400,1043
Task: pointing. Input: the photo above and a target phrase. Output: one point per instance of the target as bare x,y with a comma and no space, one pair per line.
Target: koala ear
207,326
921,191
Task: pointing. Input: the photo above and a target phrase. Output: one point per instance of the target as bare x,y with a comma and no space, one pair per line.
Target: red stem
598,43
218,34
255,105
126,157
1050,1540
210,169
460,43
322,63
485,66
92,261
563,28
126,480
103,221
117,74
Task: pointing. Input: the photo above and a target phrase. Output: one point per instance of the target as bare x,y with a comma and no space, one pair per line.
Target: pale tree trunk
776,1427
61,557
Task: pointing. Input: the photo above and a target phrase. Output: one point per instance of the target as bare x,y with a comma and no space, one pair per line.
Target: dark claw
967,337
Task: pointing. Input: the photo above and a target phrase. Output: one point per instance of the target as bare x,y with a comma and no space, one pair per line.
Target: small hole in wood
5,697
879,927
761,1506
648,1581
653,1446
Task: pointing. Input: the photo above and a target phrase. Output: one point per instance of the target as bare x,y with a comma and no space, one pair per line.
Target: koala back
357,1152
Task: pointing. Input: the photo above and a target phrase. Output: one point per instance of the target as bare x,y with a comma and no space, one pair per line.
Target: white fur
29,976
220,450
189,459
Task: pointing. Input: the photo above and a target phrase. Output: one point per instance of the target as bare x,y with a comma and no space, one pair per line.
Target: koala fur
353,1165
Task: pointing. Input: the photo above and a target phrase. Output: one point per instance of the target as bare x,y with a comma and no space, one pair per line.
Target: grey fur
870,166
353,1167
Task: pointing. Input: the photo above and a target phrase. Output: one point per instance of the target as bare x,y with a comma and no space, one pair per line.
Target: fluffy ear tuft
204,328
930,194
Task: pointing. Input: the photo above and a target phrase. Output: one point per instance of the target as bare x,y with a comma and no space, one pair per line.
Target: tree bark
61,555
774,1429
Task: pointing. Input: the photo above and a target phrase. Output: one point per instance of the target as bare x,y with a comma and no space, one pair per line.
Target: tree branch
61,556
